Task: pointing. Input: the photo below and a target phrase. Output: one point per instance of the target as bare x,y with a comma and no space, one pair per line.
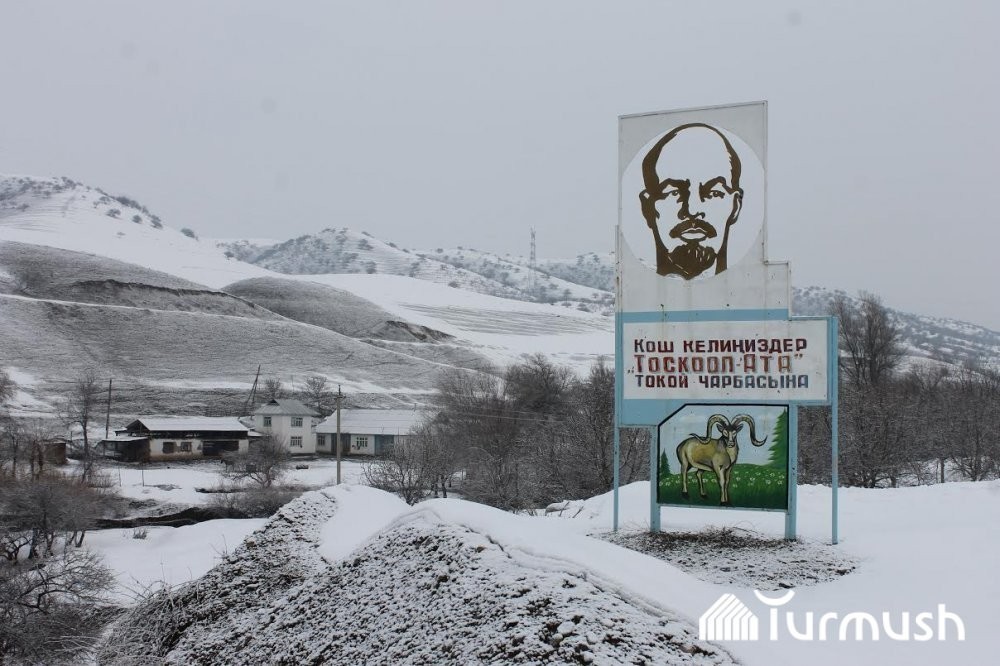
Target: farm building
289,422
367,432
178,438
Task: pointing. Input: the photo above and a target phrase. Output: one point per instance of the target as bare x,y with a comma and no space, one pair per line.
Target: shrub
189,233
252,503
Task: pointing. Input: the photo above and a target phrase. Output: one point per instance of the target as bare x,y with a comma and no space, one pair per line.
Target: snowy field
177,484
914,548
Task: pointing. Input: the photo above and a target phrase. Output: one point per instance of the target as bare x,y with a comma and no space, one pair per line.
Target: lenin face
692,197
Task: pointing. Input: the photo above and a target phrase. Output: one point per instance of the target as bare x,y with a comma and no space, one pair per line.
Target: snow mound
352,575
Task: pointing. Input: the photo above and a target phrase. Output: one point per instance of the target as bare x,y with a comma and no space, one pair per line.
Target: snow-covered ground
178,483
467,583
166,555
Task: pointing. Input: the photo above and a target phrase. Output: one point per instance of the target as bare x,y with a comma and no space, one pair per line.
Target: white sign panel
777,360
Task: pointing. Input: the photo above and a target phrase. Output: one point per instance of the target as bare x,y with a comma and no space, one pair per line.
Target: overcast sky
466,123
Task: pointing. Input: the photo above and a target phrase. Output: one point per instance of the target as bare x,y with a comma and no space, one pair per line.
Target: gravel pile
741,558
422,592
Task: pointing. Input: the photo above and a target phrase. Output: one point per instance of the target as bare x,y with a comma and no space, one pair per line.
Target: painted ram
718,455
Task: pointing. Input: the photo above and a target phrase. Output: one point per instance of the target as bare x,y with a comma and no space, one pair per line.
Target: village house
289,422
367,432
149,439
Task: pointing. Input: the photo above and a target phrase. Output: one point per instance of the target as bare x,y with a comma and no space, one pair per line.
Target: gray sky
465,123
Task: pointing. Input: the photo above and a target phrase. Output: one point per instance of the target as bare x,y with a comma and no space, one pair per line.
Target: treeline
925,424
51,590
517,439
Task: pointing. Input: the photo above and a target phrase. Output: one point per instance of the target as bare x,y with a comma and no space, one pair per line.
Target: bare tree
404,470
265,461
479,413
47,508
81,404
47,606
317,395
974,410
272,389
7,388
870,339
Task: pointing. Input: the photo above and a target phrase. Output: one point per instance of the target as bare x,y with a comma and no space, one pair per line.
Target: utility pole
532,261
339,397
107,418
253,394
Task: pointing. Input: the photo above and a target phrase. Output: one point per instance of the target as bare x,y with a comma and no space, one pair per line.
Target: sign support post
793,473
834,429
654,506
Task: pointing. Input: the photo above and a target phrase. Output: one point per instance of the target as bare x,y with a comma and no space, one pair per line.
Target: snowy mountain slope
54,341
50,269
587,282
538,284
347,251
591,270
505,329
346,313
328,307
925,338
89,289
64,214
44,272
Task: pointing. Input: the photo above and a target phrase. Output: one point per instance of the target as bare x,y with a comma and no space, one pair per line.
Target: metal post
618,410
793,472
339,396
617,480
654,481
834,357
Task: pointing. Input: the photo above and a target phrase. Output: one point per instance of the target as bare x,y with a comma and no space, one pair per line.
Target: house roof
189,424
374,421
284,406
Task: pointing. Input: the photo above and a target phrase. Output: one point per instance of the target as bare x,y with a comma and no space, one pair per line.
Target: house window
296,421
361,442
267,421
185,447
168,447
319,441
296,442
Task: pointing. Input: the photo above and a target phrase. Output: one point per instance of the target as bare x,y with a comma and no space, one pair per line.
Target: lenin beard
692,259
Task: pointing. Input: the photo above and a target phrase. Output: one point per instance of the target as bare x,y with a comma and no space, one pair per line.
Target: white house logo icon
728,620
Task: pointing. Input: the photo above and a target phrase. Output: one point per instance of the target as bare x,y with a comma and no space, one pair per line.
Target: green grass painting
751,486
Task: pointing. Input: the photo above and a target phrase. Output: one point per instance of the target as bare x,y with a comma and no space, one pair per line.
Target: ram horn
713,420
746,418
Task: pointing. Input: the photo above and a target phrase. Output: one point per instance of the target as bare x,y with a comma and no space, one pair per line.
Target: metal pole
618,408
654,479
340,397
834,370
614,518
793,472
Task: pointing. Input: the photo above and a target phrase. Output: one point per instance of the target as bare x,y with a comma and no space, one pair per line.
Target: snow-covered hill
88,280
346,251
65,214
